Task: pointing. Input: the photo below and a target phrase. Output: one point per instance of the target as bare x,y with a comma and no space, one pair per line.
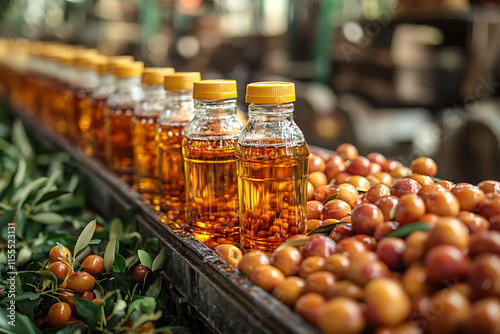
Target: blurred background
404,78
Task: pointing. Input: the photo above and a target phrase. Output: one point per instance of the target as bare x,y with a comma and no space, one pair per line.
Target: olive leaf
408,229
331,198
20,176
84,238
292,243
21,196
20,140
109,254
155,288
159,260
89,312
48,218
22,325
47,196
116,229
145,258
325,229
120,264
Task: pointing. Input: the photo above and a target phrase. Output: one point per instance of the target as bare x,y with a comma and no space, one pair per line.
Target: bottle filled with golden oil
118,116
92,117
210,165
272,163
169,136
144,129
86,80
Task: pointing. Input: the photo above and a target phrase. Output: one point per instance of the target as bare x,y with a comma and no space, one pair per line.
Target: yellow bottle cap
156,75
215,89
181,80
270,92
119,59
128,69
84,60
99,64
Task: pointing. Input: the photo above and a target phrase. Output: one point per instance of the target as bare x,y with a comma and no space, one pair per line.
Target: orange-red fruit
320,282
376,192
252,260
335,209
347,151
59,314
289,290
342,315
425,166
449,231
442,204
314,209
310,265
229,253
484,276
386,204
484,317
446,264
489,205
55,255
319,245
377,157
93,264
316,164
59,269
318,179
140,272
489,186
390,251
474,222
359,166
310,306
81,281
365,218
405,186
87,295
386,302
468,196
267,277
409,209
454,310
287,259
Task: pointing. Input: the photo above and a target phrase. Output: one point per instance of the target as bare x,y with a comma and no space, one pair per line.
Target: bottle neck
179,105
106,79
153,91
215,107
270,112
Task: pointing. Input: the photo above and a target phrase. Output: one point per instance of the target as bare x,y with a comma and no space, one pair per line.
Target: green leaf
85,237
331,198
21,222
145,258
51,195
23,325
155,288
159,260
109,255
20,176
116,229
27,306
21,141
21,196
26,296
325,229
292,243
47,218
151,245
89,312
408,229
120,264
46,275
140,306
115,319
7,217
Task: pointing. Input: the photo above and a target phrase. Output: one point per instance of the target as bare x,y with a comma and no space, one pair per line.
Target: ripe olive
359,166
416,281
425,166
405,186
377,157
376,192
287,259
229,253
347,151
391,165
333,167
341,231
289,290
319,245
342,315
449,231
366,217
423,180
384,229
350,247
318,179
366,267
485,242
310,306
447,185
474,222
346,288
59,314
405,328
484,276
390,251
489,205
252,260
446,264
87,295
320,282
442,204
324,192
67,297
314,209
468,196
447,312
140,272
55,254
386,302
267,277
489,186
415,247
81,281
93,264
335,209
400,171
409,209
386,204
316,164
310,191
310,265
484,317
59,269
338,265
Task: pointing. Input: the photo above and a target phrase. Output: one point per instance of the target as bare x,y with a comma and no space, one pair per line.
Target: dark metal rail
223,296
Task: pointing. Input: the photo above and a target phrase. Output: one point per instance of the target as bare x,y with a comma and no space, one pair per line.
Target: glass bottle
94,139
210,165
118,116
169,136
143,131
272,163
